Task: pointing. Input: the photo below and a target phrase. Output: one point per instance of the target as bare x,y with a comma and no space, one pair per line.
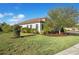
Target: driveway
74,50
73,32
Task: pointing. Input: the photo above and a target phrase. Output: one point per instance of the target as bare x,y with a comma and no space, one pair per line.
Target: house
36,23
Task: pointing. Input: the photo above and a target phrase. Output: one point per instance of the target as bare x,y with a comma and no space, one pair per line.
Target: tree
0,28
4,23
6,28
62,17
47,26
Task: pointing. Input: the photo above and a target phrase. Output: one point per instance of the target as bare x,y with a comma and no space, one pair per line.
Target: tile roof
36,20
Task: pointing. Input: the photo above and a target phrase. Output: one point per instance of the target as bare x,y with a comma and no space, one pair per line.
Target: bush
24,30
16,30
28,30
34,31
6,28
0,29
62,29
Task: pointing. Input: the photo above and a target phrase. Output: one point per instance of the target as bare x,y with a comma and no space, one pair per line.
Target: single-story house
36,23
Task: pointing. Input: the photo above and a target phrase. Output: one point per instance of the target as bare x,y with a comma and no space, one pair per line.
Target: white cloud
14,20
1,15
1,21
8,14
5,14
17,18
20,16
14,17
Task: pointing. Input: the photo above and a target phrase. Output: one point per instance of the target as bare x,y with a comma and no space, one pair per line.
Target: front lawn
35,44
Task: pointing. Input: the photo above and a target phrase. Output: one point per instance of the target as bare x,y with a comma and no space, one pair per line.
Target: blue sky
17,12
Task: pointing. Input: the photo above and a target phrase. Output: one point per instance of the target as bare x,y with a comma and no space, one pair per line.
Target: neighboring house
36,23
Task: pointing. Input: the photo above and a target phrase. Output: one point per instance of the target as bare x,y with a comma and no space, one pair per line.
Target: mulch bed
56,34
62,34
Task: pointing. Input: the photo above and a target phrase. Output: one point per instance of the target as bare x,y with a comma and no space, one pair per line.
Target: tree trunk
59,32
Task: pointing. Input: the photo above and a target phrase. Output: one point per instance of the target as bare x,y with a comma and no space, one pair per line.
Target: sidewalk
74,50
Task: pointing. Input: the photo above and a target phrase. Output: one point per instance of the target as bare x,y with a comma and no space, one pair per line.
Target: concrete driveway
73,32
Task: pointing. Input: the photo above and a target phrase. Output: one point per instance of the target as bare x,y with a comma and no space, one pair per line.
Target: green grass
32,45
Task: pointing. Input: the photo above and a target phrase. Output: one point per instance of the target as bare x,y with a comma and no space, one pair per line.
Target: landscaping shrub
62,30
16,30
24,30
0,29
35,31
28,30
6,28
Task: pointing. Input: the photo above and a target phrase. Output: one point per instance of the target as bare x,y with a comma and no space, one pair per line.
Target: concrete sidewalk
74,50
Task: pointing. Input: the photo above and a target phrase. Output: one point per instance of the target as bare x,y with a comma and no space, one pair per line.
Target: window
36,26
31,26
42,26
27,26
